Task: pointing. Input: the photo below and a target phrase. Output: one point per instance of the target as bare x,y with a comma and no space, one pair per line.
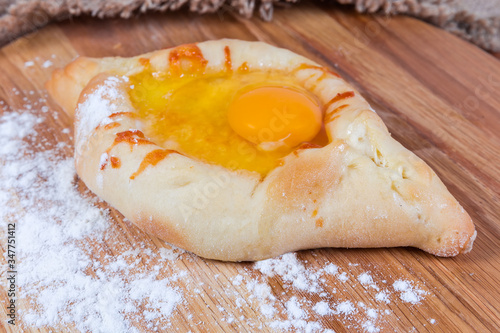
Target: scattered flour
39,61
365,278
346,308
407,292
47,64
291,270
369,327
372,313
331,269
61,232
343,277
322,308
383,296
237,280
64,283
293,309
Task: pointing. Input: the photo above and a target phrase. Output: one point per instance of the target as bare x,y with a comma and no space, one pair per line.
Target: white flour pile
61,249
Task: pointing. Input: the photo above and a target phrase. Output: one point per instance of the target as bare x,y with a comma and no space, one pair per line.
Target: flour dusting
62,280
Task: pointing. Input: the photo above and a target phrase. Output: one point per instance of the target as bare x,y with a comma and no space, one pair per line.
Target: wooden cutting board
438,95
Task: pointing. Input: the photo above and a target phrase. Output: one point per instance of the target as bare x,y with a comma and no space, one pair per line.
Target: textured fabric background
477,21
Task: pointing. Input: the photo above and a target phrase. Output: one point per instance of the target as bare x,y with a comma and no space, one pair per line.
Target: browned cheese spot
329,117
144,62
152,158
115,162
118,114
227,57
186,59
132,137
339,97
111,125
323,69
243,68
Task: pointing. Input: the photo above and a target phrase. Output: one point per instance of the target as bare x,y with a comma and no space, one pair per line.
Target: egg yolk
236,120
275,116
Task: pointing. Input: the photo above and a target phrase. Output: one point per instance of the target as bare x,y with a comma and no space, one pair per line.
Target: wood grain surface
438,95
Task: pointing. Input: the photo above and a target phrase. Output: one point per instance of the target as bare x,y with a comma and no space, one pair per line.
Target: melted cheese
189,113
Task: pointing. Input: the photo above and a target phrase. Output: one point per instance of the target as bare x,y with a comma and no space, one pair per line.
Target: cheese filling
239,120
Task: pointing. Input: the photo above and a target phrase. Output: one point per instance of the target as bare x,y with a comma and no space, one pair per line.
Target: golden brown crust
361,190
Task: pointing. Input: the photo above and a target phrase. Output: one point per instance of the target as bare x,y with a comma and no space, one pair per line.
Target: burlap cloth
475,20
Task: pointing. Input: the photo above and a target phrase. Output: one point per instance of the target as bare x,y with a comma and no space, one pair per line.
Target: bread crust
363,189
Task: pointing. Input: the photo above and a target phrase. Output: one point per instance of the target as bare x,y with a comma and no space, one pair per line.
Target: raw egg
275,116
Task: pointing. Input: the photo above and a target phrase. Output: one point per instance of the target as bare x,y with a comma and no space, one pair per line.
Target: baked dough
362,190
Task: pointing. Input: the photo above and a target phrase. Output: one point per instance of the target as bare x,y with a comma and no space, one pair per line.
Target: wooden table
438,95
